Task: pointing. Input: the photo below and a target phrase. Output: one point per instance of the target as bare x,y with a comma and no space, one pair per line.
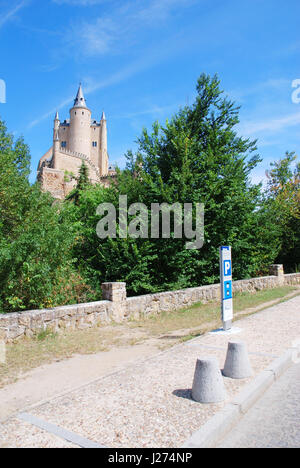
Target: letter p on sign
227,268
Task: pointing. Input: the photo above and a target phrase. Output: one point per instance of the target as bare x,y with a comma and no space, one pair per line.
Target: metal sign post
226,287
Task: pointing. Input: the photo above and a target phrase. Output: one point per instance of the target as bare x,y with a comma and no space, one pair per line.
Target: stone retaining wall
292,279
143,306
117,307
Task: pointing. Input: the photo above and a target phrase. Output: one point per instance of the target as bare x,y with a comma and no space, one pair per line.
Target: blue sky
139,60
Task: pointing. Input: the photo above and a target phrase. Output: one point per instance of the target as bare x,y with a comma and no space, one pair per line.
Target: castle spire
56,116
80,100
103,162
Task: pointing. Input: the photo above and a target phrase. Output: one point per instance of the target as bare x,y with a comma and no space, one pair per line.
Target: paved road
274,422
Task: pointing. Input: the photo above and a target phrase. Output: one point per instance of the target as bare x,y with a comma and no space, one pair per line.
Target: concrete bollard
208,385
237,364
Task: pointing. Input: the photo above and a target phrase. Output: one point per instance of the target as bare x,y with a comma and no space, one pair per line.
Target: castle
76,140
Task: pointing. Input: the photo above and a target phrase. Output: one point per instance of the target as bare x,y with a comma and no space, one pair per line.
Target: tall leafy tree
199,157
196,157
283,198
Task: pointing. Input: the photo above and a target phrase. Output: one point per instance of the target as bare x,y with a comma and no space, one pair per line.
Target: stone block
277,270
3,334
114,292
15,333
25,319
9,320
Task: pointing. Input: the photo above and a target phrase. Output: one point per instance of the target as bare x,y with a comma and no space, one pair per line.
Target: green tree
196,157
37,237
82,184
283,198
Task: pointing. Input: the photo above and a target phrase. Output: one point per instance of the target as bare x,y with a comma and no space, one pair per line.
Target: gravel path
148,404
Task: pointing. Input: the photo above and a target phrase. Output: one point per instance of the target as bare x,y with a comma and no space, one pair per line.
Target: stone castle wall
55,182
60,184
116,307
292,279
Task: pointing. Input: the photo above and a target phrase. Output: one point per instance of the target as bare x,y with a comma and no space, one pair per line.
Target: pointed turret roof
103,116
56,116
80,100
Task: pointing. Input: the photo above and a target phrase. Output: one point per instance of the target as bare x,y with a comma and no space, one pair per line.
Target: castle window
63,144
94,144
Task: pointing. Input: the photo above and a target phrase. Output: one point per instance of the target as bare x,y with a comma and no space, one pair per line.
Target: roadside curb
219,425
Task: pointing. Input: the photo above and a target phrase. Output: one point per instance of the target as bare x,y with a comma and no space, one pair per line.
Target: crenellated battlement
83,157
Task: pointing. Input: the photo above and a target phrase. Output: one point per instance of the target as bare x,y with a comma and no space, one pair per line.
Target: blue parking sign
227,267
226,286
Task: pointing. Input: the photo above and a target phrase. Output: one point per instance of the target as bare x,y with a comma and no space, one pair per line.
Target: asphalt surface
274,421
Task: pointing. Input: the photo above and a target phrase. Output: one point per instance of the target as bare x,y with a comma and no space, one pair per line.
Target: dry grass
28,354
163,330
205,315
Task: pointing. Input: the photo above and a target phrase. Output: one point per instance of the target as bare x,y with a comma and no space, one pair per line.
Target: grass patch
48,347
42,336
205,315
246,300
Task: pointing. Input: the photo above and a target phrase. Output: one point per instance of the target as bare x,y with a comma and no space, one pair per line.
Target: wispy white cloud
154,110
95,38
8,15
147,61
272,125
143,8
119,27
80,2
270,85
48,114
158,9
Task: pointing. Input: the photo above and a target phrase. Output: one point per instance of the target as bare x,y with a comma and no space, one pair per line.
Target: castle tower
77,139
56,142
80,126
103,156
56,122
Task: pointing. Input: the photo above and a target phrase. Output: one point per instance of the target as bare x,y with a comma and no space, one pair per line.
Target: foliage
36,265
50,253
82,184
197,157
283,193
